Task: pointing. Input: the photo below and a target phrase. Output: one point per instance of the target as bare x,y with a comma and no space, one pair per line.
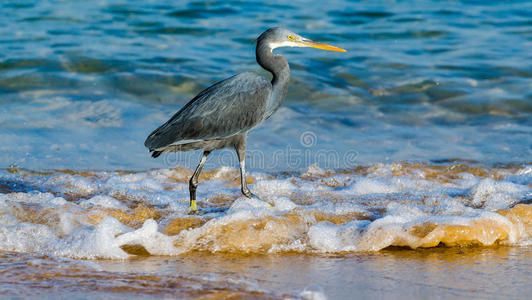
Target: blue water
82,83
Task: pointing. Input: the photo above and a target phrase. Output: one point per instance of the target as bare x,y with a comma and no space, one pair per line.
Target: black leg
193,183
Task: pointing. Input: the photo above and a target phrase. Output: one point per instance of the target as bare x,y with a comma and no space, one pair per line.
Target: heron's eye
291,37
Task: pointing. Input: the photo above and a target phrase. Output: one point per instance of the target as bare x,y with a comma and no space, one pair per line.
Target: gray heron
221,115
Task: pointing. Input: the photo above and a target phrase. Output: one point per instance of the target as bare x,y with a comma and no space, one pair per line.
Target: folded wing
229,107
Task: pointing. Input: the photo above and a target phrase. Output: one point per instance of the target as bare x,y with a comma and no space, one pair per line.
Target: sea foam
122,214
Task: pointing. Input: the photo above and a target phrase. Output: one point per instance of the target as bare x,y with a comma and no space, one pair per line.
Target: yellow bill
313,44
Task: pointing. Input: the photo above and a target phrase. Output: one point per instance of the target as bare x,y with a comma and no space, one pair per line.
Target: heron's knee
193,184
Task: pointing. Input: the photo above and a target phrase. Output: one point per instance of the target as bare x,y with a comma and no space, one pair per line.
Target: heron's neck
277,65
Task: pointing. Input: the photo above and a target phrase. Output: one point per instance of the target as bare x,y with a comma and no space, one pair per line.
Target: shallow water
480,273
399,169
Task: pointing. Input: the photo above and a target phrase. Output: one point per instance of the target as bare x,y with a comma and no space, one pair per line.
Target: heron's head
279,37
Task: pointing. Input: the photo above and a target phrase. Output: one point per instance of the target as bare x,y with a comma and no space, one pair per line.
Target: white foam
340,180
71,183
36,197
523,176
441,204
134,182
7,213
282,204
276,187
491,194
95,242
371,186
103,201
150,238
311,188
339,208
328,237
314,170
25,237
222,172
253,206
394,203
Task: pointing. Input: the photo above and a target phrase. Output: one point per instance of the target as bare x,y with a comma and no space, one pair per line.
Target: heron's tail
156,154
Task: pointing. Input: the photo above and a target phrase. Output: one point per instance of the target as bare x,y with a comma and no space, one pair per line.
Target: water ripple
445,66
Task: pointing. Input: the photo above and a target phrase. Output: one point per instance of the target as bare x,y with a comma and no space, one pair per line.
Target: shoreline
390,273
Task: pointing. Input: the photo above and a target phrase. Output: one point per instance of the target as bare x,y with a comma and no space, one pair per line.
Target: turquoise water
82,83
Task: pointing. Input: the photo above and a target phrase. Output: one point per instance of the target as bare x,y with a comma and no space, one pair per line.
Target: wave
368,208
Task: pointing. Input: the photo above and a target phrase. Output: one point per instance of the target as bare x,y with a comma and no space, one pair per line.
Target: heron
221,115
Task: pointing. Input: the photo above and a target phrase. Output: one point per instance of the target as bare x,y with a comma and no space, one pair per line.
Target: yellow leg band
193,205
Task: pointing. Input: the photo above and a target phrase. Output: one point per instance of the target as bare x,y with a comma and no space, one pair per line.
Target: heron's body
221,115
215,116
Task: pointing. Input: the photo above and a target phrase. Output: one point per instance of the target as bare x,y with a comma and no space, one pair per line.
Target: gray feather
227,108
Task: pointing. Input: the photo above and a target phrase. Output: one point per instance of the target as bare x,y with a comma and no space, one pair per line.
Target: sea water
409,155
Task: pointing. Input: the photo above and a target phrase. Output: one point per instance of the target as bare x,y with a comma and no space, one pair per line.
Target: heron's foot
246,192
193,208
250,195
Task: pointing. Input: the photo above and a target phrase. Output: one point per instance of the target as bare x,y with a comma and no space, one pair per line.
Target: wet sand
441,272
